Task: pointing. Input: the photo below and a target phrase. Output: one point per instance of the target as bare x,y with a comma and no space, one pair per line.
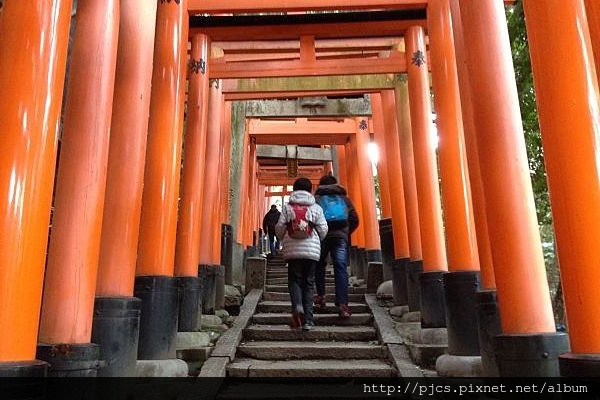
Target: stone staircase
335,348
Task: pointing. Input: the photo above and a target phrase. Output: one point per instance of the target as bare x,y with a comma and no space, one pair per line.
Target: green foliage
524,79
535,154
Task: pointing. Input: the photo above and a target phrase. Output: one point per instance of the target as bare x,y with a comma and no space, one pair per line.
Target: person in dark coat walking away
301,227
269,222
342,220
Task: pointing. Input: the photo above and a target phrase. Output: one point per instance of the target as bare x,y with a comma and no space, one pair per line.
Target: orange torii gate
461,34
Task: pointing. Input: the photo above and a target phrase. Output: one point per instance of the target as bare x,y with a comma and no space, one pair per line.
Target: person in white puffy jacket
301,227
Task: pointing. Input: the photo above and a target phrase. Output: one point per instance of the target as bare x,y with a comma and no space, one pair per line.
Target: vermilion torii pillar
343,166
155,284
252,197
407,161
570,137
478,200
401,256
488,316
386,232
382,167
223,203
357,238
243,191
458,212
393,234
593,18
245,198
513,229
406,285
428,191
31,82
395,179
209,263
226,161
462,282
71,273
226,240
249,213
187,247
123,197
367,191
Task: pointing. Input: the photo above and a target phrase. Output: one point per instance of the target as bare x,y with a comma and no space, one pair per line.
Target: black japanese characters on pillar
418,58
197,66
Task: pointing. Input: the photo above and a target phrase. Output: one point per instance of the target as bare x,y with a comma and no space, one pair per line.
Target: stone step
283,268
283,332
371,368
284,280
320,319
330,298
328,289
277,274
285,306
284,350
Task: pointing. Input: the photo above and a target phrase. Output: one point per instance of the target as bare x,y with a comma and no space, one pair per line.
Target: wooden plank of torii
220,6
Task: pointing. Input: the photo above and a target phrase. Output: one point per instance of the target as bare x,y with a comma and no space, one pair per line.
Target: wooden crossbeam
301,131
322,26
321,45
292,94
394,64
310,84
350,29
247,6
238,6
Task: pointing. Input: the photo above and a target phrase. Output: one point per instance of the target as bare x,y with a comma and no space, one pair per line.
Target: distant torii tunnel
142,193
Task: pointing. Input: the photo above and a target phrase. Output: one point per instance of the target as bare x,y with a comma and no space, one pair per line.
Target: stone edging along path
225,348
392,340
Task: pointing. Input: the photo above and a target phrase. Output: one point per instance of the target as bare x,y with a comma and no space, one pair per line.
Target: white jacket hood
302,197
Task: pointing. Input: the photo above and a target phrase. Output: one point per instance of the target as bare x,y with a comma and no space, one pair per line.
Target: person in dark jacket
269,222
335,243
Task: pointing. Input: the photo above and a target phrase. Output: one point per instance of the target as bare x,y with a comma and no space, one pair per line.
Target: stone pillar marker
256,273
374,276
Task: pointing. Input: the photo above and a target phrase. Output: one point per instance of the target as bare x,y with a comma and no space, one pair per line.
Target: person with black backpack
301,227
269,221
342,220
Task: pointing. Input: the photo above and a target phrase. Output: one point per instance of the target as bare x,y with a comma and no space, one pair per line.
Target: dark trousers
338,248
273,243
301,279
